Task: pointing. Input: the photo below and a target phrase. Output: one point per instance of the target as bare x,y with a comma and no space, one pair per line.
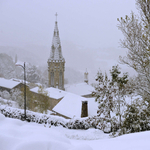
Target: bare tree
136,31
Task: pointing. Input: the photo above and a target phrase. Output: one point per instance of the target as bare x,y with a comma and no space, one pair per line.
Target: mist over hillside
26,54
77,59
38,56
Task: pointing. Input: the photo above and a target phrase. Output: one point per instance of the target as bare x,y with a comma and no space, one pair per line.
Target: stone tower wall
56,67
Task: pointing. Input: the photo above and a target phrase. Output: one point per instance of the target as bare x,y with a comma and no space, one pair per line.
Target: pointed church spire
56,53
56,62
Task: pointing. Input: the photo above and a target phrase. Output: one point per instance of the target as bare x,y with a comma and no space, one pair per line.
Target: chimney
84,111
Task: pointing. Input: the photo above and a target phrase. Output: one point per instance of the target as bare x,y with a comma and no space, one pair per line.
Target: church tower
56,62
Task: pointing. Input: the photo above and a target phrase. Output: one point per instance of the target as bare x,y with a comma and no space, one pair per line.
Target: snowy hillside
19,135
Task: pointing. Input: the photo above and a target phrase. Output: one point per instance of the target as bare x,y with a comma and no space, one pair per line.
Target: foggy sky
88,25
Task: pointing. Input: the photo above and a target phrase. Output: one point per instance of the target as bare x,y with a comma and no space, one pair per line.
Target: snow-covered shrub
50,120
14,98
99,123
136,117
77,124
5,94
55,123
16,94
32,116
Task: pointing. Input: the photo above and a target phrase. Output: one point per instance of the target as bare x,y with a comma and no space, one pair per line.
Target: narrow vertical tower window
56,61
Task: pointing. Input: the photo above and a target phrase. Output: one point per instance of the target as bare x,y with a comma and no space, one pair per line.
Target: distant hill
35,55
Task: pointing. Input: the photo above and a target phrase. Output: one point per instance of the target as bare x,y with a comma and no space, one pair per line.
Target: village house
66,104
8,85
73,105
54,95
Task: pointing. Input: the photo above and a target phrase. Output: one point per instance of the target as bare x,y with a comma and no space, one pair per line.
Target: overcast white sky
90,25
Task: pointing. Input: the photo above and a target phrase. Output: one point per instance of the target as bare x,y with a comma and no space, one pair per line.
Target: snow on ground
8,102
21,135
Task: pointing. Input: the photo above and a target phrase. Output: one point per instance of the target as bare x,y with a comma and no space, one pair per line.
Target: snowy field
21,135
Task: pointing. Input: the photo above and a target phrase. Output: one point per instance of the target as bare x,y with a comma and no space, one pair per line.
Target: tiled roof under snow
9,84
80,89
71,105
52,92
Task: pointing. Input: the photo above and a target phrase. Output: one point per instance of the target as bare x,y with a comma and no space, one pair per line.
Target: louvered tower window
60,79
52,79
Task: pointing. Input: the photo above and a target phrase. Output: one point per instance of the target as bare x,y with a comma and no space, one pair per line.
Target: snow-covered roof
52,92
80,89
19,80
9,84
56,93
71,105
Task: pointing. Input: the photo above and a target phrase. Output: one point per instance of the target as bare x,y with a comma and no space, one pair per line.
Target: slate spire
56,52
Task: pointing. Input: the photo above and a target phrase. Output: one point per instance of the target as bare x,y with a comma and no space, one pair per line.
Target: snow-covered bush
32,116
136,117
5,94
103,124
77,124
17,96
50,120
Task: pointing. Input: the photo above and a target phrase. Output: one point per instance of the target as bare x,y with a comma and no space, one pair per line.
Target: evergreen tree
120,84
110,93
136,117
104,95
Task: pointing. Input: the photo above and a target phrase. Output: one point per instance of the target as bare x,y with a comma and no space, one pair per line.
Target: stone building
54,96
8,85
56,62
